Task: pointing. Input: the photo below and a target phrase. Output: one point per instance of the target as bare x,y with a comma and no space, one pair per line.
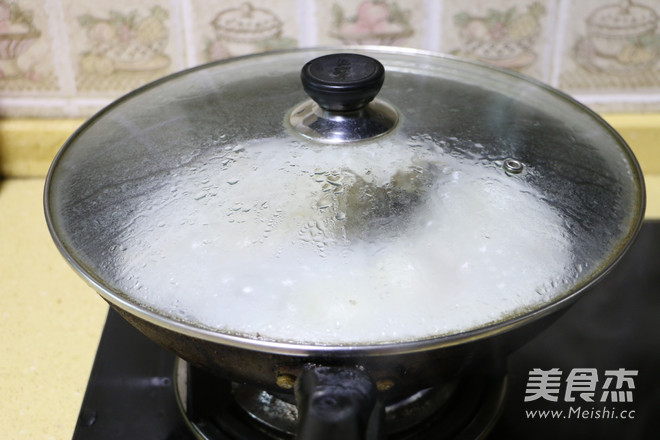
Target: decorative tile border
513,34
68,58
610,47
26,52
385,22
119,46
233,28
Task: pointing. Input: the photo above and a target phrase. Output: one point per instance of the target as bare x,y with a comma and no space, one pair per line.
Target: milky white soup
360,244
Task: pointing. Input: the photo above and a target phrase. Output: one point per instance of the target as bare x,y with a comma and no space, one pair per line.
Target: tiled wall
71,57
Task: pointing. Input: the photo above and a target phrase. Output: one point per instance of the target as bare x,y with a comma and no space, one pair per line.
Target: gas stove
592,374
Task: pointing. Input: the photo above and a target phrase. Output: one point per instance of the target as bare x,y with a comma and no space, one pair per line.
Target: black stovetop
614,326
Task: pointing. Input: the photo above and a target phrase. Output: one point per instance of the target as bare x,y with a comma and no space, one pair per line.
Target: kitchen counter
51,321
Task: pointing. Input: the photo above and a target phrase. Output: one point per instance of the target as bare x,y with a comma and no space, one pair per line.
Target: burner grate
218,409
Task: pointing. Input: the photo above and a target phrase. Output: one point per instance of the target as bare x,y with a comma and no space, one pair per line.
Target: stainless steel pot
106,193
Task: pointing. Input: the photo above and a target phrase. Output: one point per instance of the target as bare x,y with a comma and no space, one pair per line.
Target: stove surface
595,373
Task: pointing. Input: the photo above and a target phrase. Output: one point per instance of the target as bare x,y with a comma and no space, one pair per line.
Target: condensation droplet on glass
324,203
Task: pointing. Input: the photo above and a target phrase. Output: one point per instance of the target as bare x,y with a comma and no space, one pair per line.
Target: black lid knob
343,81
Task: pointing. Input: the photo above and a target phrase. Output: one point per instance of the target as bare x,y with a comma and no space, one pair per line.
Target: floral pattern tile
611,46
380,22
119,46
69,57
26,54
223,29
510,34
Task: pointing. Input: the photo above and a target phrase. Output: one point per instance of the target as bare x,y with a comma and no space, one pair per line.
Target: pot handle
337,403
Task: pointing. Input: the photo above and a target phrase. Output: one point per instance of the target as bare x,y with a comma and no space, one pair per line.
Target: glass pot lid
461,196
